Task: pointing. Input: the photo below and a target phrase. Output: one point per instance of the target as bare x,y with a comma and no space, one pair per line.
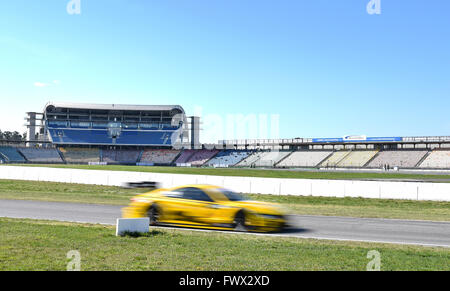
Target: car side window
174,194
192,193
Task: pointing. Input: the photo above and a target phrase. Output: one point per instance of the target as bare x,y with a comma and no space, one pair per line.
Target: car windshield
232,196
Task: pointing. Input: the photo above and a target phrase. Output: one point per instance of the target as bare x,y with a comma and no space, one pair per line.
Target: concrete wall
304,187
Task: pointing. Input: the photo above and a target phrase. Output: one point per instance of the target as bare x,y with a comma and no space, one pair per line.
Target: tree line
12,136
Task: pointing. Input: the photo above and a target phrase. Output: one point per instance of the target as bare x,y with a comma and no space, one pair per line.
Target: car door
195,205
173,206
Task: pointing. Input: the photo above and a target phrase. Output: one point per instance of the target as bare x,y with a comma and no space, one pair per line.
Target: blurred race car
205,206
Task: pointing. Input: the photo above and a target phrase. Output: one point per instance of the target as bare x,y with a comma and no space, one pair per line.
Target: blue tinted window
192,193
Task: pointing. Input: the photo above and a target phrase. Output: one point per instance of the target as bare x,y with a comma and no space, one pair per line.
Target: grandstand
304,159
41,155
11,155
159,156
80,155
228,158
437,159
111,124
160,135
195,157
202,156
120,156
270,159
335,159
357,159
398,158
184,156
250,160
264,159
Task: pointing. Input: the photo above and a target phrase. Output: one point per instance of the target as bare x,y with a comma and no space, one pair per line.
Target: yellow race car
205,206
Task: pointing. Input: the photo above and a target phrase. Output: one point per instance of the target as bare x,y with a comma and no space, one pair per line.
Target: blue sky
327,68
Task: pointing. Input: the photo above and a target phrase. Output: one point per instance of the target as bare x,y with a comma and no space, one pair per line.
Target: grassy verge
256,172
39,245
65,192
353,207
362,207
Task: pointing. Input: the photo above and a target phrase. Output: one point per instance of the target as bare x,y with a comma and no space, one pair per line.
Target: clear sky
327,68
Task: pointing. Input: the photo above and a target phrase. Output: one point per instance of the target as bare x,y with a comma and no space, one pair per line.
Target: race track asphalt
429,233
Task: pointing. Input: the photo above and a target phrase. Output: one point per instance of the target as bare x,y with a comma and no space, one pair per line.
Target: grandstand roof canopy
124,107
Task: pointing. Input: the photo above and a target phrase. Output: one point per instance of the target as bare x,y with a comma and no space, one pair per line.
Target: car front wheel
154,214
239,222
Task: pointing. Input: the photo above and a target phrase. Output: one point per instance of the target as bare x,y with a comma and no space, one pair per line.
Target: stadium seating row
264,159
270,159
438,159
357,159
364,158
91,136
228,158
196,157
38,155
335,159
11,155
250,160
305,159
80,155
400,158
159,156
120,156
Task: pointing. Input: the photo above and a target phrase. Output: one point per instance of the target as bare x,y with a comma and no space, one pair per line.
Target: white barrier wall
140,225
276,186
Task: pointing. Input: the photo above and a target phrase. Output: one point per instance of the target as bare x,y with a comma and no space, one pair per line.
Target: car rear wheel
239,222
154,214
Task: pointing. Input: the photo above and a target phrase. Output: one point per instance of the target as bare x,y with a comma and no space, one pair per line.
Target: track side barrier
275,186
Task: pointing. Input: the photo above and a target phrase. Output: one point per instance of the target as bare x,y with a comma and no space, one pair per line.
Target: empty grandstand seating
228,158
41,155
80,155
407,158
398,158
269,159
11,155
357,158
196,157
184,156
304,159
201,157
133,125
121,156
250,160
159,156
437,159
335,158
264,159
